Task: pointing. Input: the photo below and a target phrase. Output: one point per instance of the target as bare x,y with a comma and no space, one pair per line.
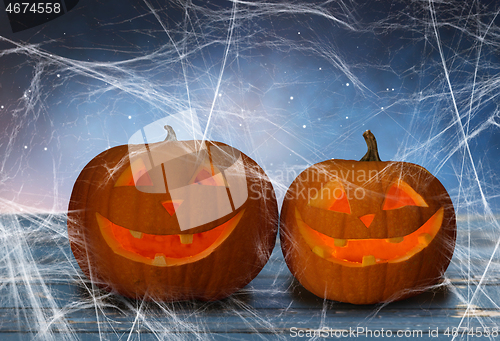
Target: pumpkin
173,220
367,231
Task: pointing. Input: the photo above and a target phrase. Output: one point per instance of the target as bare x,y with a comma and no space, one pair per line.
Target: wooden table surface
44,297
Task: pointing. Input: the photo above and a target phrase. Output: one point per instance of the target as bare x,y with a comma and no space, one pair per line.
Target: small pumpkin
173,220
367,231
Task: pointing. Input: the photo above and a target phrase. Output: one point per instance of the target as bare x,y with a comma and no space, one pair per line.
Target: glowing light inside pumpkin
367,219
164,250
361,252
171,205
341,204
140,174
331,197
401,194
205,177
149,245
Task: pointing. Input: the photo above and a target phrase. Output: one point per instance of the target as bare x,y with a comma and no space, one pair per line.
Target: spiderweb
289,84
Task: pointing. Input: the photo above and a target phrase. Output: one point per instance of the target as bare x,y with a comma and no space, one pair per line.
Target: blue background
288,83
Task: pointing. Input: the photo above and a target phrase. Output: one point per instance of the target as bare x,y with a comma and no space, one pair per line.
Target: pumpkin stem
171,133
371,142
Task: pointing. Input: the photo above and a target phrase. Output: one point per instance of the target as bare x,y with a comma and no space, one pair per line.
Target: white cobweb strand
487,210
32,247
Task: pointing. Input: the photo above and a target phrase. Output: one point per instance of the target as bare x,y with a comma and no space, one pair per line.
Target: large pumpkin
173,220
367,231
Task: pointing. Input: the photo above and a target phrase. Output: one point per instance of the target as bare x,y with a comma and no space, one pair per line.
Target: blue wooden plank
55,297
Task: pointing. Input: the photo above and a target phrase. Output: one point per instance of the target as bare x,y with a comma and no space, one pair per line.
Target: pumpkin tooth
186,238
395,240
424,239
159,260
136,234
340,242
368,260
318,250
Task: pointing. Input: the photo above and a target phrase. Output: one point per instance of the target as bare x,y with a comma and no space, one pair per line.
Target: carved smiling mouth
164,250
365,252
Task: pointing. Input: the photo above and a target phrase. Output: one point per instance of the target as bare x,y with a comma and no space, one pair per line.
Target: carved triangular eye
401,194
135,175
341,204
332,197
171,205
204,176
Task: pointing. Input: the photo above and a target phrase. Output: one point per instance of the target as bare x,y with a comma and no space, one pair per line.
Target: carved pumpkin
173,220
367,231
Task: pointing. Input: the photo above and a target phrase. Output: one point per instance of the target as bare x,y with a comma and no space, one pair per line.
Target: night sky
289,83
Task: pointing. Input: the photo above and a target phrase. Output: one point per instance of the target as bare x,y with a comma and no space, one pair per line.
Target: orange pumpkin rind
130,241
389,244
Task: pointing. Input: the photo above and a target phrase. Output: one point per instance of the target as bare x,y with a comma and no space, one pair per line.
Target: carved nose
367,219
171,205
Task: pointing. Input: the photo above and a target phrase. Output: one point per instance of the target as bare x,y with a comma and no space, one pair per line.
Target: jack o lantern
173,220
367,231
